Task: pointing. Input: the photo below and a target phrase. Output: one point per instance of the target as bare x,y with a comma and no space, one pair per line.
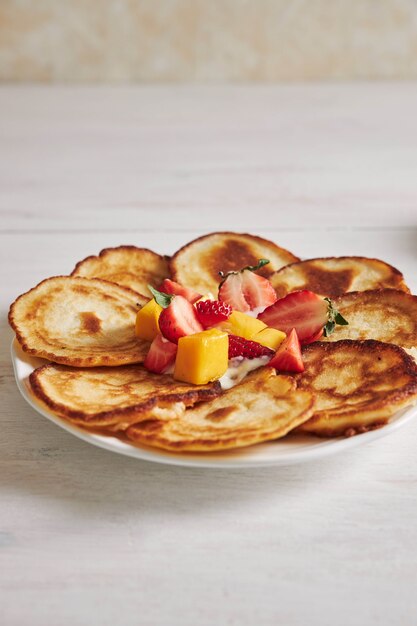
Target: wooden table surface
90,537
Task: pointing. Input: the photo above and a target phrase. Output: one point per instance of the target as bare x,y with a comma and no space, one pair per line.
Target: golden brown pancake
333,276
197,264
114,396
263,407
385,314
358,385
128,266
79,321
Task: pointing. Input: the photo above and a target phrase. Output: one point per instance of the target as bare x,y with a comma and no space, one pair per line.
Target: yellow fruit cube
202,357
270,337
243,325
147,317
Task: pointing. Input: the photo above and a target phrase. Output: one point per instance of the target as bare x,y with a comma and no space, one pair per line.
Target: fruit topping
211,312
305,311
243,325
238,346
179,319
171,287
270,337
202,357
245,291
147,320
288,356
161,355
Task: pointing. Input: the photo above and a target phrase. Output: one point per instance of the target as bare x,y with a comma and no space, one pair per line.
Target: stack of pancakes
84,325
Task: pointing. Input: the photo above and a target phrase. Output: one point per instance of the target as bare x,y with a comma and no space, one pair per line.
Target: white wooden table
89,537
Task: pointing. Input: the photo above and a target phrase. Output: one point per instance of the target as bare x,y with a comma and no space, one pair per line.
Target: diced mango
270,337
147,317
202,357
243,325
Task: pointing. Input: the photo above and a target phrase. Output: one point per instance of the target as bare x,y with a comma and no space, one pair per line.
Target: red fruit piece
303,310
179,319
238,346
211,312
288,356
173,288
315,337
245,291
257,290
231,293
161,355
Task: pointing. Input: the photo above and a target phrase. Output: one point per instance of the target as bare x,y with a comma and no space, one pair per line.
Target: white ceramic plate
288,451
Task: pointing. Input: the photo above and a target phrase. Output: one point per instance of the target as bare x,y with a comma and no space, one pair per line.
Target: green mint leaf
163,299
339,319
334,317
329,328
253,268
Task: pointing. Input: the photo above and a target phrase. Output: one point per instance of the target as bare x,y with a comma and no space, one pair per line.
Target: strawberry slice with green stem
244,290
304,310
178,317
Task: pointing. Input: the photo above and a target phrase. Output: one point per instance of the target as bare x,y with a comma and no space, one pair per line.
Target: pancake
357,385
197,264
333,276
114,396
128,266
386,314
263,407
79,321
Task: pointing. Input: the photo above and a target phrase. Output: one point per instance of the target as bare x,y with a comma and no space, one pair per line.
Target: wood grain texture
89,537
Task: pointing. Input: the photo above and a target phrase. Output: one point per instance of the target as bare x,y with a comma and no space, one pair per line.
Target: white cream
239,368
255,312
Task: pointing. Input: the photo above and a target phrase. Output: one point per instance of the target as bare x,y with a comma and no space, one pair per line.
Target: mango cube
147,317
243,325
202,357
270,337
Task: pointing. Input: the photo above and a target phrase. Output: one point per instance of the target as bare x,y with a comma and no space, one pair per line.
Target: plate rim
321,449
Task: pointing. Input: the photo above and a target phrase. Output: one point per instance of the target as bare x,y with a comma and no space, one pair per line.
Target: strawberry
178,319
173,288
211,312
315,337
288,356
245,291
161,355
305,311
238,346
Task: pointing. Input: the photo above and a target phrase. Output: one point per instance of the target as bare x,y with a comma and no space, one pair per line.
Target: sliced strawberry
231,292
171,287
238,346
303,310
211,312
315,337
288,356
245,291
257,290
161,355
179,319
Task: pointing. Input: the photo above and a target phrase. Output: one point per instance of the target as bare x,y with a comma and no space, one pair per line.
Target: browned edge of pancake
188,398
260,240
395,396
50,355
106,251
401,286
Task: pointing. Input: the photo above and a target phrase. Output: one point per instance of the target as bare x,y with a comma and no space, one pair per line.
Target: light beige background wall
206,40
